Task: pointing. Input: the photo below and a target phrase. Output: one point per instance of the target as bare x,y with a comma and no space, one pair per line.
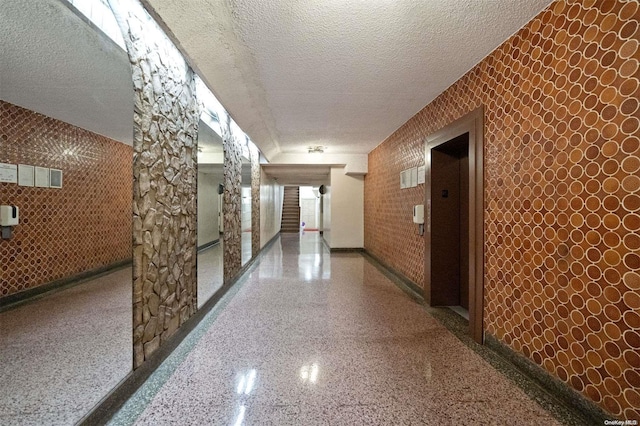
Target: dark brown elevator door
450,223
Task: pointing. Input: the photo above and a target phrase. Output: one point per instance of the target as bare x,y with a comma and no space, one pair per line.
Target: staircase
291,210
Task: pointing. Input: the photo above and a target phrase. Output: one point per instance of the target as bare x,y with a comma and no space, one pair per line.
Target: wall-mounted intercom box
9,215
418,214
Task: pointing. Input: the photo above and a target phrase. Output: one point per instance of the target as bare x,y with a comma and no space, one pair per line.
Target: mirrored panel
210,201
246,208
65,105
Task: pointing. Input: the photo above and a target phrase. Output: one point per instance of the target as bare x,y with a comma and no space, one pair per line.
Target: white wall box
8,173
26,175
55,178
42,177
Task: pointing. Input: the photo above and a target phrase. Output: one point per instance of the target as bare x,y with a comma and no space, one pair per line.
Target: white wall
271,194
346,210
309,206
326,214
207,208
354,163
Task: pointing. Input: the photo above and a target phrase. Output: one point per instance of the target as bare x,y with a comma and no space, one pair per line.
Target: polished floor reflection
61,354
245,245
210,274
312,338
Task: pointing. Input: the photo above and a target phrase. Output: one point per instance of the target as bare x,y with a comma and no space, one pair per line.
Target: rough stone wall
255,198
562,194
232,238
166,118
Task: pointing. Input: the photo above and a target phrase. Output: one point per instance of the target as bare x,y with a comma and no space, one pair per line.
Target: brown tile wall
63,232
389,231
562,195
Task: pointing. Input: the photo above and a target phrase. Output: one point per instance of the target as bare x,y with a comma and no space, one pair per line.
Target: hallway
312,338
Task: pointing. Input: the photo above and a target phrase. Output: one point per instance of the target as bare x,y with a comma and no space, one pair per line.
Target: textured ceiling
54,63
337,73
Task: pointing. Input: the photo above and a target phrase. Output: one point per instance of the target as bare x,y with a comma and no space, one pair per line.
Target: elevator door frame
471,123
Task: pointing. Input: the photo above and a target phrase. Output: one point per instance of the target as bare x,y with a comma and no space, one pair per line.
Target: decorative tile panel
562,195
63,232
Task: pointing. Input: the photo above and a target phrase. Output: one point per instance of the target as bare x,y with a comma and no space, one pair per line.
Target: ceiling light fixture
316,149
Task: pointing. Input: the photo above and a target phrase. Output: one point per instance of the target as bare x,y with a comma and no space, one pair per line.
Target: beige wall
345,226
326,214
271,194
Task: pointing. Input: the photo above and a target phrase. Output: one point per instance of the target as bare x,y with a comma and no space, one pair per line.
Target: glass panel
63,352
246,210
210,201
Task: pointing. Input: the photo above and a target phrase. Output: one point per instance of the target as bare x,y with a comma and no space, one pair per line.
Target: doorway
450,224
454,249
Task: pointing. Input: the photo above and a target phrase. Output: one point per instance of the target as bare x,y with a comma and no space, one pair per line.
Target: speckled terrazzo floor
311,338
61,354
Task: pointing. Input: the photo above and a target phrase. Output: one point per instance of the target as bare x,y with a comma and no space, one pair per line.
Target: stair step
290,210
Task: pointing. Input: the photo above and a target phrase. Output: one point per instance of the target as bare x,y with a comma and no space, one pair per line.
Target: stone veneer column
255,198
232,237
166,118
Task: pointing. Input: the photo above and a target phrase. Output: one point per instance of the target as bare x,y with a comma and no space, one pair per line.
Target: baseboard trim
405,284
207,245
12,301
408,286
553,385
346,250
114,400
